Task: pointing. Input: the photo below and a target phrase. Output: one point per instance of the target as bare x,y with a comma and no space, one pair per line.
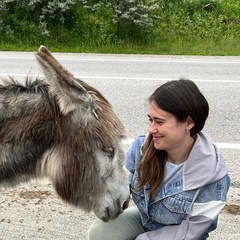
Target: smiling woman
179,179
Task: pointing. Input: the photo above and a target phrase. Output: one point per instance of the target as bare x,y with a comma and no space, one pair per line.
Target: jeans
126,227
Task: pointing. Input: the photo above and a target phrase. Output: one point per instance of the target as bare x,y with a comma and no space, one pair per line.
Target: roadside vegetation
187,27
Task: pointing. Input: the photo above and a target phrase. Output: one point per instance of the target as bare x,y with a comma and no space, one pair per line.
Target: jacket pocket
173,209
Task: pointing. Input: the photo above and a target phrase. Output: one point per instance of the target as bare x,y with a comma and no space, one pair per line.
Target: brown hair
182,98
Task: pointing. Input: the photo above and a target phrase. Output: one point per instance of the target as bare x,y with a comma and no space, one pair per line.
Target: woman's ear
189,123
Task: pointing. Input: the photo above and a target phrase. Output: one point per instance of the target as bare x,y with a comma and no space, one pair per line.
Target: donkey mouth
109,215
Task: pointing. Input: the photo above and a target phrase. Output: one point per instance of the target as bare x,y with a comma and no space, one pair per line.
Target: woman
179,180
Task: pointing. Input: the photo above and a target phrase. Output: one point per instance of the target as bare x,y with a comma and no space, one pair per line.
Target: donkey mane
30,85
12,87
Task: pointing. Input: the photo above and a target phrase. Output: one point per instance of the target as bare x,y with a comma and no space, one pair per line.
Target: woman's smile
156,138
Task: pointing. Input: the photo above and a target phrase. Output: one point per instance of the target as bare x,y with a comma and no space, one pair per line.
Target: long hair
182,98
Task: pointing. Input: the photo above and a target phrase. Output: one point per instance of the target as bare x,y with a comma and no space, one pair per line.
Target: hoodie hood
204,165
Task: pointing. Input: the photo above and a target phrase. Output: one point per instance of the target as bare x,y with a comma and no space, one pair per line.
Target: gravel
34,211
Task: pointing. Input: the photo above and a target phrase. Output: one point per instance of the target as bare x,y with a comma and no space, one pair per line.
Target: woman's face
168,134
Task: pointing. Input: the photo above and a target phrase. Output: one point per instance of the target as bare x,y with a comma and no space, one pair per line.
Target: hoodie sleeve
201,218
198,222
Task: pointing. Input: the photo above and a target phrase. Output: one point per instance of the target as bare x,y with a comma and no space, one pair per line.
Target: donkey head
85,163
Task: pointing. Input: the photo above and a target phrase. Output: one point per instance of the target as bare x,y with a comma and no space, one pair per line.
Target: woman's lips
155,138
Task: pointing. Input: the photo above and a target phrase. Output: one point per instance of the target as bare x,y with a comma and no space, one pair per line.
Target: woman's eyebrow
156,118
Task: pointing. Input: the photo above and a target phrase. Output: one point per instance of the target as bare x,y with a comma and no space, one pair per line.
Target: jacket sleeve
133,154
196,224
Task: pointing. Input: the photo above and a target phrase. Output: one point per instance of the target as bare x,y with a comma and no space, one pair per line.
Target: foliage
134,17
160,26
122,19
33,19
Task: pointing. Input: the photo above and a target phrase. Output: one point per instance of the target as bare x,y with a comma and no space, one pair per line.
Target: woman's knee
126,227
96,230
105,231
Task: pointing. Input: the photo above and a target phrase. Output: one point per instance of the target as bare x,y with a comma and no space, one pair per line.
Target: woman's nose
152,128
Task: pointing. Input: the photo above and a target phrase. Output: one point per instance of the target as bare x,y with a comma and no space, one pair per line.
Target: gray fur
61,128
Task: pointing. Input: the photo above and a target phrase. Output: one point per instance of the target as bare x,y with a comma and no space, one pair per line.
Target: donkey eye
110,152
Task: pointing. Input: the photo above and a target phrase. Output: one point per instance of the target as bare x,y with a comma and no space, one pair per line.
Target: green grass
181,46
207,47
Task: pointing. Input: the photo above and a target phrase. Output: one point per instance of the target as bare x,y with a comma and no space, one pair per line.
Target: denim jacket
187,207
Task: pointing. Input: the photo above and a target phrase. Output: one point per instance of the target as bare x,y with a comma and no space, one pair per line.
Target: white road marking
128,141
124,78
134,58
228,145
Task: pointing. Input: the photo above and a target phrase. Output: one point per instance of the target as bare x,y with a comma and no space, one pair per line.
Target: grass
207,47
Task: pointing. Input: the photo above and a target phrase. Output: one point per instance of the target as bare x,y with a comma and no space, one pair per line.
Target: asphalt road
33,211
128,80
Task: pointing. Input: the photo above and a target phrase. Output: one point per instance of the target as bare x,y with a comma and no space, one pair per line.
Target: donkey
61,128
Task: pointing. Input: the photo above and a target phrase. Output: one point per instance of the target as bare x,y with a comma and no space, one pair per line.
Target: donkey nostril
125,205
107,216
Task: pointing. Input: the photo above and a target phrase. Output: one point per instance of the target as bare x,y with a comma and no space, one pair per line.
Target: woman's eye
156,121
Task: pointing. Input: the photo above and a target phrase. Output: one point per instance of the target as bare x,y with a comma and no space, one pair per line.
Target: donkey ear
69,92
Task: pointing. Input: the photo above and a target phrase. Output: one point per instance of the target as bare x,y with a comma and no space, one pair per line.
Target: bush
159,26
